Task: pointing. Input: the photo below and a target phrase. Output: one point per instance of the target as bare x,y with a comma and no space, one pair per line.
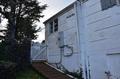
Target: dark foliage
77,75
2,34
3,54
7,70
23,55
21,16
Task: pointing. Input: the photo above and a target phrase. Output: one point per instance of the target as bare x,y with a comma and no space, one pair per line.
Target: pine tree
21,16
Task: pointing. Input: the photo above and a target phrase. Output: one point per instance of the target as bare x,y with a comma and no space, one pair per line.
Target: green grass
28,74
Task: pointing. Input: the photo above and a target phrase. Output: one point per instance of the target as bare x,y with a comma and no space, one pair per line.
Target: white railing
39,54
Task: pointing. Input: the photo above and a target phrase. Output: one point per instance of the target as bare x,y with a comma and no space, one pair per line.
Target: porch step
49,72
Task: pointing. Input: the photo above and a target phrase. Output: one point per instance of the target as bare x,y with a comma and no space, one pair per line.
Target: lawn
28,74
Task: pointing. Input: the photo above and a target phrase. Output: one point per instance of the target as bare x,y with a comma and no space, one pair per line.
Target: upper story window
82,1
105,4
53,26
56,25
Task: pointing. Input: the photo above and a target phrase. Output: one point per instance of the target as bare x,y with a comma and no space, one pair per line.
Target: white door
97,67
114,65
53,50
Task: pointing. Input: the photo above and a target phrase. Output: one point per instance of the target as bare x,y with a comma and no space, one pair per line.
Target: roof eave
60,12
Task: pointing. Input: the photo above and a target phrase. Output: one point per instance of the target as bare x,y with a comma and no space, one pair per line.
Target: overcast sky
54,6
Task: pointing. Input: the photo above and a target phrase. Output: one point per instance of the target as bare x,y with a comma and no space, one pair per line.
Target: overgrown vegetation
7,70
20,29
76,74
3,54
21,16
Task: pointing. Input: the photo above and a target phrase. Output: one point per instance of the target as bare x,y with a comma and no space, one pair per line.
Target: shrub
3,53
7,70
78,74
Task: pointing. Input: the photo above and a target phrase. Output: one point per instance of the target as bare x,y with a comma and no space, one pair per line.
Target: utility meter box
61,39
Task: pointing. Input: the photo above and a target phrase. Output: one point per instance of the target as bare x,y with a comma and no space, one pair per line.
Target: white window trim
53,27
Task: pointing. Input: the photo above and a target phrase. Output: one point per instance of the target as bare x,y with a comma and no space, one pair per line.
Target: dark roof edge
60,12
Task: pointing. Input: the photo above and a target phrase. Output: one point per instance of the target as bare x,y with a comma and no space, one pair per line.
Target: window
82,1
51,27
56,25
105,4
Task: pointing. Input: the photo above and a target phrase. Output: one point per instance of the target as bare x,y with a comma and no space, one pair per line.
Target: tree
21,16
2,34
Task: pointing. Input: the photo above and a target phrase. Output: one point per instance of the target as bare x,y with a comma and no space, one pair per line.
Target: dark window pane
51,27
105,4
113,2
56,25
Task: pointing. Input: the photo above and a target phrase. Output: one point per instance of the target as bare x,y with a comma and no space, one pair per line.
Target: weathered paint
102,29
94,35
69,58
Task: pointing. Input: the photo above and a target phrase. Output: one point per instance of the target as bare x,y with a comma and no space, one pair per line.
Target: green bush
76,74
7,70
3,54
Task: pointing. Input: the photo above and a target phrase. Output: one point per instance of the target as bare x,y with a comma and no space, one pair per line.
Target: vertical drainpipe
81,36
77,7
77,25
46,40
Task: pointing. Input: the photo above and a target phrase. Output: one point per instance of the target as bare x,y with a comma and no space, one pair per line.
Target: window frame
106,4
82,1
53,27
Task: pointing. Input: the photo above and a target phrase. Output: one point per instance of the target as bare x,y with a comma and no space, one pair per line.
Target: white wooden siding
102,35
66,24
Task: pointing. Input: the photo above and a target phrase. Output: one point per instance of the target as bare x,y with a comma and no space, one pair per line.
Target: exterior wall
94,36
64,57
102,29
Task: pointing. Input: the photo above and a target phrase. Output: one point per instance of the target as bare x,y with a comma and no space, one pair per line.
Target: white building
86,34
62,39
102,38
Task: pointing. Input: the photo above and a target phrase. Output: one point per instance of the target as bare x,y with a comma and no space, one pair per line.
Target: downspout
78,26
77,22
81,44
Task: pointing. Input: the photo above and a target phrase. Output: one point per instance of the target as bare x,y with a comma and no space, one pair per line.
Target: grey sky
54,6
